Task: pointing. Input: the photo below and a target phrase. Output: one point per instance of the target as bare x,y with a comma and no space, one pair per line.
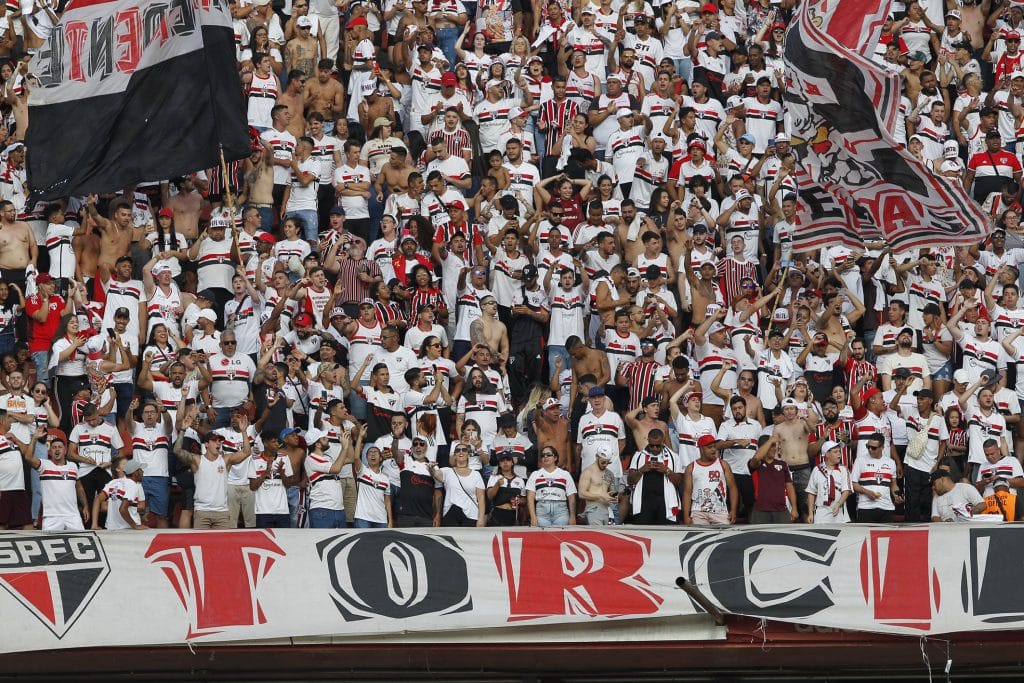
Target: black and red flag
132,91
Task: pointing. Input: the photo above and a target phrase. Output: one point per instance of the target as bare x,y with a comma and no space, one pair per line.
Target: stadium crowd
504,263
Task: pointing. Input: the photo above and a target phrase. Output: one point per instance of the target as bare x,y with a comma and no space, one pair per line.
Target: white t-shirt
119,490
461,491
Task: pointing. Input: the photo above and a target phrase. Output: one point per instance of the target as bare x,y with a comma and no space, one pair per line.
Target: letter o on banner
396,575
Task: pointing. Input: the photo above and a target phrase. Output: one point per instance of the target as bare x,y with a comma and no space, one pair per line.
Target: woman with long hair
505,490
162,347
475,60
166,244
259,41
373,501
425,293
388,311
67,365
464,503
956,445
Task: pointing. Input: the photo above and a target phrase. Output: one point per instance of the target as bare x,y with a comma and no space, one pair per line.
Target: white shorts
62,523
823,515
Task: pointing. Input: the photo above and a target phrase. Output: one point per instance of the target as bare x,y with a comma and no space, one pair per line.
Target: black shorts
15,509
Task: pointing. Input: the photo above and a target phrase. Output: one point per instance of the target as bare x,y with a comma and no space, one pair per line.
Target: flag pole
230,200
778,296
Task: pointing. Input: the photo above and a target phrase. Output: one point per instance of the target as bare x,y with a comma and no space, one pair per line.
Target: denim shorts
158,494
945,373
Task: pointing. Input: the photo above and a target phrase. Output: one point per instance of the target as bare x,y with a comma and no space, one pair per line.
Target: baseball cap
905,330
304,21
994,133
708,8
132,466
747,137
210,436
733,101
781,137
950,149
166,212
961,376
357,21
696,142
506,455
552,403
57,434
1016,74
918,56
448,78
366,302
43,277
789,402
925,393
700,227
338,313
457,204
652,272
901,372
632,273
530,271
595,391
313,435
693,394
337,211
1012,35
516,112
303,320
740,195
206,294
829,445
952,14
288,431
615,74
161,267
588,9
266,237
122,312
207,314
706,440
604,453
622,112
940,474
716,327
219,222
382,121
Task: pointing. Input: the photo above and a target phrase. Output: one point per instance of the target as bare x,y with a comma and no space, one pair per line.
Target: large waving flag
841,108
133,90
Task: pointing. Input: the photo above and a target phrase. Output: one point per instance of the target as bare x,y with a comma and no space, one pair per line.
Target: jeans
357,403
41,359
273,522
309,220
223,417
552,513
322,518
363,524
557,352
293,505
125,391
266,217
869,339
446,38
684,67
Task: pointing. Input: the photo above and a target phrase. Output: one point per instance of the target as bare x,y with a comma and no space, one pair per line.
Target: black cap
925,393
699,227
940,474
652,272
506,455
122,312
905,330
529,271
206,294
337,211
901,372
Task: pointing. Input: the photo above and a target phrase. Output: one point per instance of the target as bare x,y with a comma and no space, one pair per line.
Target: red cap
709,8
266,237
166,212
706,440
448,78
457,204
357,21
58,434
868,393
693,394
1011,35
303,320
43,277
697,142
779,24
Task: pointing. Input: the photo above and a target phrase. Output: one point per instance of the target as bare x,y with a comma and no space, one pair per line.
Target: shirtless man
744,385
322,93
677,379
186,205
586,361
303,50
293,99
395,173
645,418
487,329
115,232
552,429
17,246
792,436
702,289
599,489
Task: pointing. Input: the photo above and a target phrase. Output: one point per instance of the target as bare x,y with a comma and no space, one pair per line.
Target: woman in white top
475,60
373,490
463,490
67,363
551,493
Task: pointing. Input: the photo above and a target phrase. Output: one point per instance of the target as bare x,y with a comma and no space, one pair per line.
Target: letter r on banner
215,575
897,578
579,573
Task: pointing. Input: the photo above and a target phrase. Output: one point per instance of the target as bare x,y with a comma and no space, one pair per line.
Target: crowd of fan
500,263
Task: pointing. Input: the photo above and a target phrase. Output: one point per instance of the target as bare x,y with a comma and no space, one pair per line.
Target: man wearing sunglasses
229,374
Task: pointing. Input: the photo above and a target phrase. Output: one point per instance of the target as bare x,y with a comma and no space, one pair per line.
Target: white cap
304,21
734,101
132,466
208,314
94,343
716,327
494,83
961,376
828,445
161,267
950,149
368,88
782,137
604,453
1017,74
780,315
953,13
623,111
313,435
615,74
789,401
516,112
740,195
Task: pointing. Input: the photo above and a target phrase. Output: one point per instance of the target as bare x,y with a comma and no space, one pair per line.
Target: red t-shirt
41,334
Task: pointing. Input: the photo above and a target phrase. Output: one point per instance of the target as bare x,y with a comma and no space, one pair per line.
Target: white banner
71,590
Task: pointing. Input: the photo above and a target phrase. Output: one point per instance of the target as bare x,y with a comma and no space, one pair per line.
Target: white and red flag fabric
841,110
132,91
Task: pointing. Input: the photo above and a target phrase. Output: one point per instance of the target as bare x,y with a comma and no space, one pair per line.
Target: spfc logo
54,576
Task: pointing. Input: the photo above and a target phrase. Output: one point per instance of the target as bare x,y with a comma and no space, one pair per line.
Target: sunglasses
229,343
547,454
874,448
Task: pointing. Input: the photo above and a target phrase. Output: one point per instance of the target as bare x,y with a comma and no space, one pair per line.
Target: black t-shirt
277,419
416,497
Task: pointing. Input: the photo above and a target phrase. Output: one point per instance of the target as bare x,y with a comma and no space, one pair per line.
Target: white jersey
118,491
372,489
165,308
211,485
271,496
58,483
597,432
